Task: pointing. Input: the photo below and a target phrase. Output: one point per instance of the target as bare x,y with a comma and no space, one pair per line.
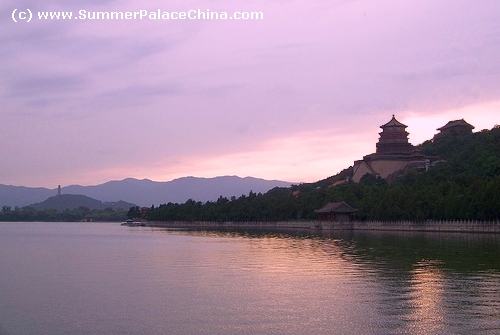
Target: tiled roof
393,123
456,123
336,207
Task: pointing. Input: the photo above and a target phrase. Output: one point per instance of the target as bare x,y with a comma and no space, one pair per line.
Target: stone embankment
465,226
233,225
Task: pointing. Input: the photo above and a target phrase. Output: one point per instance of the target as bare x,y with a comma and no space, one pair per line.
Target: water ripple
106,279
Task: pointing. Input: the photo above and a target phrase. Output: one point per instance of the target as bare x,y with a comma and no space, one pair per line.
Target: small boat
133,223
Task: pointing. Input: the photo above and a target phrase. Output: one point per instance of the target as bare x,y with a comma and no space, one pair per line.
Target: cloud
44,85
197,95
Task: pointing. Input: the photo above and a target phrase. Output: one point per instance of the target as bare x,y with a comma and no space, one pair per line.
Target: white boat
133,223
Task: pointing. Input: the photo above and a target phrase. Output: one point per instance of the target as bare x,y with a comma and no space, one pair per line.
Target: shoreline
463,226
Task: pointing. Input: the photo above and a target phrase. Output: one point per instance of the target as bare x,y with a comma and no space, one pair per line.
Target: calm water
101,278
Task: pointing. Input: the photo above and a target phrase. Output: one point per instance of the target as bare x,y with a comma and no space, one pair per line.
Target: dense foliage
78,214
464,185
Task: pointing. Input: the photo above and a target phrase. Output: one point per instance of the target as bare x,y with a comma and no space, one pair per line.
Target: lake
103,278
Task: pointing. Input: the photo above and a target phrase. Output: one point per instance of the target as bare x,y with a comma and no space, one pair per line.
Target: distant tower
59,190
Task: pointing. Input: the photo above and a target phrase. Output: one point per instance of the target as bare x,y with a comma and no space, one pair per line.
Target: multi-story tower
393,154
394,139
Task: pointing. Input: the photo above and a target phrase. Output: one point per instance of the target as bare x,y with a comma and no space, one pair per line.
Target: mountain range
146,192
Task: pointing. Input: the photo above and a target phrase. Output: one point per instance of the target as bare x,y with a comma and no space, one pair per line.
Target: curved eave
393,123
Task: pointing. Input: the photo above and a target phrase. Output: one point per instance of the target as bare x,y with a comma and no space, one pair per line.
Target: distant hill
22,196
146,192
73,201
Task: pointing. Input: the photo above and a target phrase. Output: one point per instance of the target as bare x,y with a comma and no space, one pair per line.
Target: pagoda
394,153
394,139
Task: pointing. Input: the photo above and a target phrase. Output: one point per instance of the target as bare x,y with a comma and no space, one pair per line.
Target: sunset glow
295,95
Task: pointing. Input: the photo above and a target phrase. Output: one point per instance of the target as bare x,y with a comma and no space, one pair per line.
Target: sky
296,95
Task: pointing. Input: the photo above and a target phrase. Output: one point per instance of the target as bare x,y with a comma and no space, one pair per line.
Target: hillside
463,186
72,201
68,208
21,196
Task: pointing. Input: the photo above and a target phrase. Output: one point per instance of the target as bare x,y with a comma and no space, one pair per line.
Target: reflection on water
105,279
426,283
428,290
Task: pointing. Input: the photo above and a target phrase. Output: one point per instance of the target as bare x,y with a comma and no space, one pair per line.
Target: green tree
134,212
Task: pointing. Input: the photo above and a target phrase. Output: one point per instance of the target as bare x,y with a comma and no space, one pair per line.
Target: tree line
27,214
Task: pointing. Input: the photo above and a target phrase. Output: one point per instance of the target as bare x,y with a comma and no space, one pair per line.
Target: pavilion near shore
336,212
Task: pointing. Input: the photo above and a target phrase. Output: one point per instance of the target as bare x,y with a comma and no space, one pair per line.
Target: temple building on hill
394,153
453,128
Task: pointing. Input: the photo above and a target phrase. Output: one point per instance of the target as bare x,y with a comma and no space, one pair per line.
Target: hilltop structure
393,154
453,128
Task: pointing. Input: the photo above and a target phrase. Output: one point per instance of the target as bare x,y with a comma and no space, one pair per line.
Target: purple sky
297,96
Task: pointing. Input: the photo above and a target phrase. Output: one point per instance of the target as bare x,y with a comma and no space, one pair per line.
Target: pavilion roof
455,123
393,123
336,207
